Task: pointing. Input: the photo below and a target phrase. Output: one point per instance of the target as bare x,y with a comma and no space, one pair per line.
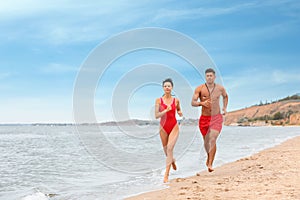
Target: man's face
210,77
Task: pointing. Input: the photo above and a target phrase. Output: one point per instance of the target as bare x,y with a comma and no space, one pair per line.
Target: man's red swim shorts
210,122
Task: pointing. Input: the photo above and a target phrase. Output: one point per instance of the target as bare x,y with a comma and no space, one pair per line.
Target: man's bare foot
174,165
210,169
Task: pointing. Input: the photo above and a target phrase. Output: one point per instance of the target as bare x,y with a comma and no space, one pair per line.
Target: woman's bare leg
170,146
164,139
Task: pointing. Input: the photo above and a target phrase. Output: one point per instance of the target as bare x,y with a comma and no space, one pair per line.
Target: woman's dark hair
167,80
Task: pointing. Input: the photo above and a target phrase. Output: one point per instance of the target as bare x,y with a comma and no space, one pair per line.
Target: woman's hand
169,108
180,113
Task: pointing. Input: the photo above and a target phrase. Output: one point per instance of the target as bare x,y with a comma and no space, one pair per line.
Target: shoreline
270,173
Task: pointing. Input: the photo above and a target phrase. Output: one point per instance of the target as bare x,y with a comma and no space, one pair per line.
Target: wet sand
273,173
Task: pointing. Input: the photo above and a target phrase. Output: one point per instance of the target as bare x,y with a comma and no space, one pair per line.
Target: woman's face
167,87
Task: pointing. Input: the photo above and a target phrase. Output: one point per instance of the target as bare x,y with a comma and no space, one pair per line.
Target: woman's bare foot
166,178
174,165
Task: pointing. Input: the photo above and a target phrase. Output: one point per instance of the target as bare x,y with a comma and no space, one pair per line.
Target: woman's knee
169,149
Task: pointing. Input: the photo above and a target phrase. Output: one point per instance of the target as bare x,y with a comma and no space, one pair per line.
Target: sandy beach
270,174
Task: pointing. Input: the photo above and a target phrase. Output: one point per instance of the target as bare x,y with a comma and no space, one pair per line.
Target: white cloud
198,12
260,84
280,76
257,78
60,22
58,68
14,9
68,33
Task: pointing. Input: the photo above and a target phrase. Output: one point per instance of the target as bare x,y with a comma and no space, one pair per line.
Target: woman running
165,109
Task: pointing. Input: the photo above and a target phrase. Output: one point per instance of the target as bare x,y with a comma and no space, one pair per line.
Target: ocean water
111,162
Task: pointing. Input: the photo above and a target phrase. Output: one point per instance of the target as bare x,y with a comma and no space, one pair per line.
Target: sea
89,162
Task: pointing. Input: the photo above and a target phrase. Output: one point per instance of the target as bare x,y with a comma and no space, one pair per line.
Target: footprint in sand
200,189
180,179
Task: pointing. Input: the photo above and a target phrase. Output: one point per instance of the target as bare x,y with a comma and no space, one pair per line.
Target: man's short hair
210,70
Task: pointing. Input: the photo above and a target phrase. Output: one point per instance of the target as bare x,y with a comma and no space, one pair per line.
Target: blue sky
255,46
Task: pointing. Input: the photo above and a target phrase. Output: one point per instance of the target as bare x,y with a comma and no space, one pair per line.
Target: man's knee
212,141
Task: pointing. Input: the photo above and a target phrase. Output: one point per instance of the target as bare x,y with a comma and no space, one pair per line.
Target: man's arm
195,98
225,100
179,108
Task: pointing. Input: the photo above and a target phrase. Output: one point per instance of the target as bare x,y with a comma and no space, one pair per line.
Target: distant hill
130,122
144,122
285,111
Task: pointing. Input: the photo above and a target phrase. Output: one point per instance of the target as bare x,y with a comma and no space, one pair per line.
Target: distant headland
282,112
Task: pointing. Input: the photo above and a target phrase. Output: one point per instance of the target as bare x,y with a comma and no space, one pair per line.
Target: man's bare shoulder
221,87
222,90
199,88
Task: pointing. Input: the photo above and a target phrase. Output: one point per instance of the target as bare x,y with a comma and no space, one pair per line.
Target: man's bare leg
211,148
210,159
206,146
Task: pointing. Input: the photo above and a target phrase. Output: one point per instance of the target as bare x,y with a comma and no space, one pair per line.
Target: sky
254,46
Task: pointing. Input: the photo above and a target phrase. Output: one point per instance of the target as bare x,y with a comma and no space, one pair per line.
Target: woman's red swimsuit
168,120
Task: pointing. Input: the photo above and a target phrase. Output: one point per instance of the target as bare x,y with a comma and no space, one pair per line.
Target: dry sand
270,174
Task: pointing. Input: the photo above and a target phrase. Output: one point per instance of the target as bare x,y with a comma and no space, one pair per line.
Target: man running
210,122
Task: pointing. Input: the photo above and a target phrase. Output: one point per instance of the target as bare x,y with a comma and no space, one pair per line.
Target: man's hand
206,103
224,111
